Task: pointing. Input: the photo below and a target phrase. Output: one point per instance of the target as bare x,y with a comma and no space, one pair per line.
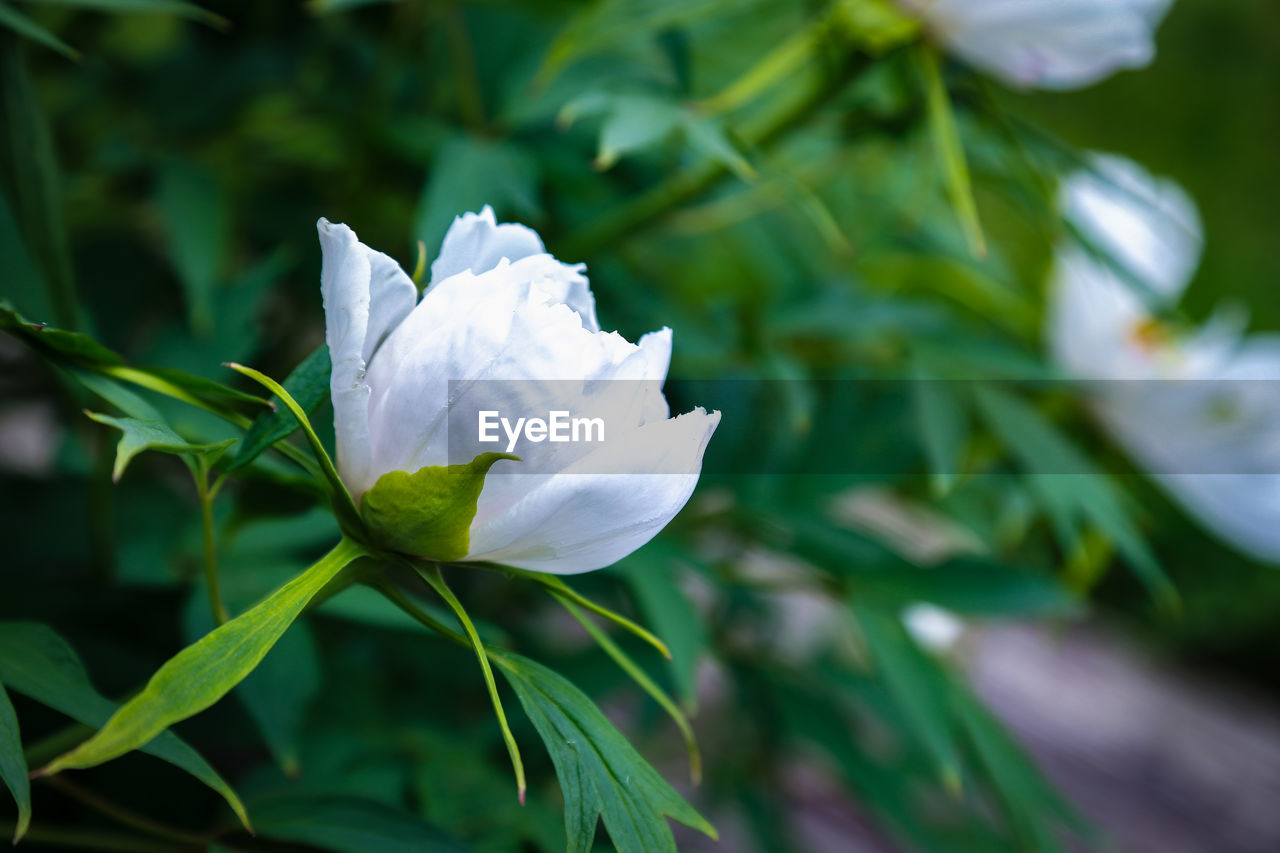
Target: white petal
392,295
1052,44
475,242
577,522
564,283
344,285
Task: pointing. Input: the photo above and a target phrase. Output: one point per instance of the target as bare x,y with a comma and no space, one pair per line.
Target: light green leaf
139,435
347,825
205,671
309,385
39,664
877,25
950,150
24,26
600,773
708,136
13,765
279,691
428,513
635,122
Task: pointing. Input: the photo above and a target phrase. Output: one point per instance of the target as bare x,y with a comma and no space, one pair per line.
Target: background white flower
499,307
1047,44
1211,438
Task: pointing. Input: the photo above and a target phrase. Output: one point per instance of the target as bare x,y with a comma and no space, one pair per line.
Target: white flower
498,307
1211,440
933,627
1046,44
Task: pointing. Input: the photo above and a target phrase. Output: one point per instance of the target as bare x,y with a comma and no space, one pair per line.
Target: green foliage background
804,234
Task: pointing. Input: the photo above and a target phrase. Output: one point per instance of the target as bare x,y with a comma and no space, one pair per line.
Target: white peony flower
499,307
1211,440
1046,44
935,628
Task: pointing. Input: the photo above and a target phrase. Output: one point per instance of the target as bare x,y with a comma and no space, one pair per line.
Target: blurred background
790,222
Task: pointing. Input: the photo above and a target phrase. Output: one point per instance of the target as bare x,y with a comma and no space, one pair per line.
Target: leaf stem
81,839
122,815
432,575
640,677
206,495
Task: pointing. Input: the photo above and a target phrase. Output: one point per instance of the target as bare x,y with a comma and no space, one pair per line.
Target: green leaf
158,7
280,690
428,513
347,825
600,773
651,574
944,428
139,435
37,663
205,671
13,765
635,122
1069,487
29,176
950,150
196,214
24,26
916,683
309,385
70,347
467,174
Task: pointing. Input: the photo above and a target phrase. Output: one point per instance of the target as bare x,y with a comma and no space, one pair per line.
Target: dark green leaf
13,765
37,663
29,176
600,773
196,213
157,7
309,385
24,26
348,825
70,347
428,513
653,576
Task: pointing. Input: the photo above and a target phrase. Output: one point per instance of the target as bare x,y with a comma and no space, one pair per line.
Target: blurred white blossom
1046,44
499,307
1212,437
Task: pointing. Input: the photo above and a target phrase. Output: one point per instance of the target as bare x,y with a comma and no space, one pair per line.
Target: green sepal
138,435
428,513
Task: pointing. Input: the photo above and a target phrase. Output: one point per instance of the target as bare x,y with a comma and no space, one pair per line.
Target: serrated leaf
39,664
309,385
205,671
13,764
139,435
347,825
22,25
601,774
428,513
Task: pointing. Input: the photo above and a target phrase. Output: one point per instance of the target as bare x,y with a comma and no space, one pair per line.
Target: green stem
83,839
559,588
122,815
640,677
431,574
206,494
